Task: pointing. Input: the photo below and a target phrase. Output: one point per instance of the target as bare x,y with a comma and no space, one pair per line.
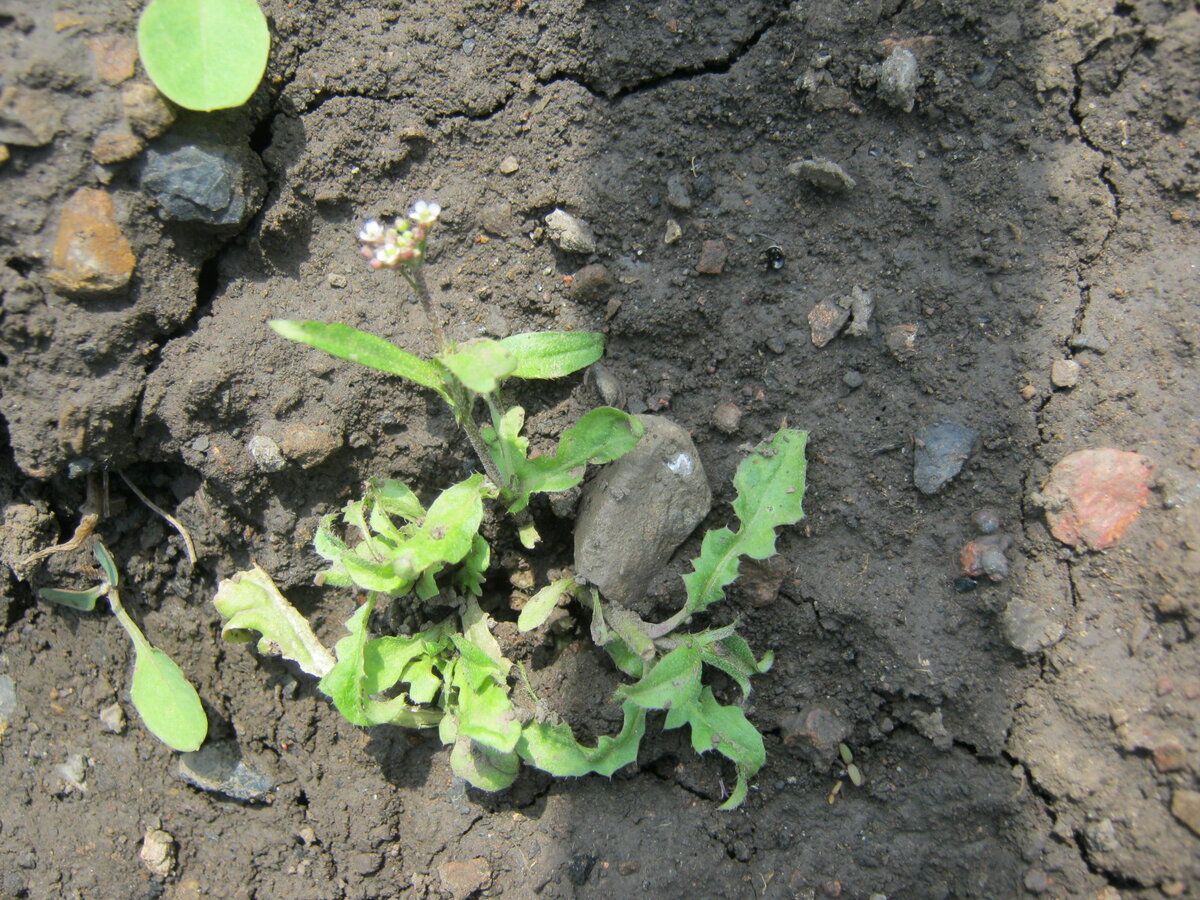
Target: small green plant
204,54
450,673
166,701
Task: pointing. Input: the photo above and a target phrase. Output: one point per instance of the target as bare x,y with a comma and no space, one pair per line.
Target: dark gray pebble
941,450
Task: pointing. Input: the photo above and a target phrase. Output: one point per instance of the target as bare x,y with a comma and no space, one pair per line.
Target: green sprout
204,54
451,673
168,704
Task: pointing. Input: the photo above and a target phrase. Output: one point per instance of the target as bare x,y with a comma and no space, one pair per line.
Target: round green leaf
204,54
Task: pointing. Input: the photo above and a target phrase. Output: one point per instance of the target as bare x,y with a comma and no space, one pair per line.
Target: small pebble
901,341
1028,392
898,78
986,521
823,174
825,320
336,280
712,258
592,283
509,165
678,196
673,232
1064,373
112,717
853,379
570,233
158,852
727,417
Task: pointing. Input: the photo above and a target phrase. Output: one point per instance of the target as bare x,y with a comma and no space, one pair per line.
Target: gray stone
570,233
678,196
862,307
823,174
218,769
266,453
813,733
638,510
201,180
1064,373
8,701
1029,627
497,218
941,450
73,770
28,118
853,379
112,717
898,80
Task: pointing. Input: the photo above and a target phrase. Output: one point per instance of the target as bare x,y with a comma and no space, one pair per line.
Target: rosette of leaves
453,676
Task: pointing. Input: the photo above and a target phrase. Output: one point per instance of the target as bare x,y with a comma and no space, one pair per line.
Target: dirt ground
1039,203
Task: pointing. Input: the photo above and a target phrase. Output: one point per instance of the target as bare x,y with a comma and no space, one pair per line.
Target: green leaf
344,683
106,562
85,601
733,656
480,364
484,710
249,602
631,629
483,767
727,730
468,578
673,681
357,346
478,633
770,491
166,701
540,605
396,499
553,748
601,436
553,354
204,54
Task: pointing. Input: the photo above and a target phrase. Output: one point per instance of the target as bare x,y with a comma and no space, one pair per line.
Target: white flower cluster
404,242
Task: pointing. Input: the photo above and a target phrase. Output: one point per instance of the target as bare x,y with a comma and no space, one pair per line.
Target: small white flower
372,232
388,255
425,213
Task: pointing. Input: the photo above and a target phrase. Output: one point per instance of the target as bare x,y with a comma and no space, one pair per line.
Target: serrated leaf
553,748
540,605
365,349
84,601
164,698
468,578
204,54
250,602
727,730
483,767
553,354
480,364
770,486
673,680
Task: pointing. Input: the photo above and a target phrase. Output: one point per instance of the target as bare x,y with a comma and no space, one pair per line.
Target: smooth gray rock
898,80
196,179
638,510
1029,627
941,450
218,768
570,233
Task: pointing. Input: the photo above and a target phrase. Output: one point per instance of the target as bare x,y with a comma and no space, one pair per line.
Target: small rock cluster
984,556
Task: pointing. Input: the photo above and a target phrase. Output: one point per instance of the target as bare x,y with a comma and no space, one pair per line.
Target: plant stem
416,278
489,465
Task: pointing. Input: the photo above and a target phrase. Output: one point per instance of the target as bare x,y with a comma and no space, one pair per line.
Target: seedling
451,673
204,54
166,701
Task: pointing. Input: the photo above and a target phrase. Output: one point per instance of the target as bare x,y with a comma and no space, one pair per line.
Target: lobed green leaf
249,602
770,486
673,681
553,748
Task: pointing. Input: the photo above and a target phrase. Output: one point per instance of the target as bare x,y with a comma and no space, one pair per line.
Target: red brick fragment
1093,496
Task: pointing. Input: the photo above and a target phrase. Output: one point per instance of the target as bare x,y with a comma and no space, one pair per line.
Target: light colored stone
898,80
112,717
148,113
570,233
1185,806
1064,373
825,320
158,852
116,145
673,232
90,253
823,174
462,879
309,445
116,57
509,165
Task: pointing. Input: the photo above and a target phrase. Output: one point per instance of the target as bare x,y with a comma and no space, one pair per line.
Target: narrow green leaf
480,364
553,748
553,354
106,562
674,680
204,54
357,346
85,601
483,767
770,485
540,605
249,602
